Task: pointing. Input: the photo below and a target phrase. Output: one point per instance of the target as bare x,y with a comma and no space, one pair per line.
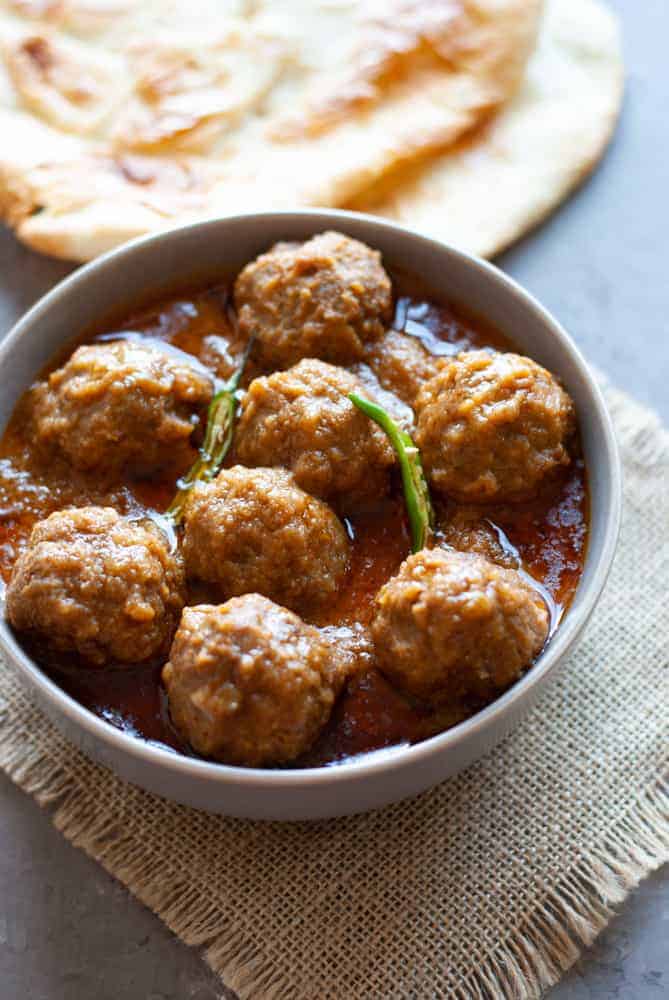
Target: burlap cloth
487,886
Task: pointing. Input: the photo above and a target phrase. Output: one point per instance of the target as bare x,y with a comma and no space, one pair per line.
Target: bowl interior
207,251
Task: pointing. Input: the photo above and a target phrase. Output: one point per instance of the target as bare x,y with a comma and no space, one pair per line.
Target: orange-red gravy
550,534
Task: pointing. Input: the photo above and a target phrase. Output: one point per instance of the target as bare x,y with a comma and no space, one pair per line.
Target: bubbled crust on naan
270,104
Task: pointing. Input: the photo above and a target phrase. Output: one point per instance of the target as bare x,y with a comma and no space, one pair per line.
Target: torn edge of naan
511,173
80,207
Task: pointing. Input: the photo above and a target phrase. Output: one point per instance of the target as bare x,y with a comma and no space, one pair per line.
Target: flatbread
119,117
509,175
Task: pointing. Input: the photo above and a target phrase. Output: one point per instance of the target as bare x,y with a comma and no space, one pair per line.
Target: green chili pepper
416,491
218,435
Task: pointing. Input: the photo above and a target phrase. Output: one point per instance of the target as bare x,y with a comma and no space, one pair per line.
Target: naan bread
513,172
119,117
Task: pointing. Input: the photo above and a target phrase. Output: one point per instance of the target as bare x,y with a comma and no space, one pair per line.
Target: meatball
302,419
320,299
452,625
121,404
249,682
256,530
95,583
402,364
464,528
492,426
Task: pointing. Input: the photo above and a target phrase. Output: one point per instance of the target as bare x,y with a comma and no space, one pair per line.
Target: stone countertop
67,930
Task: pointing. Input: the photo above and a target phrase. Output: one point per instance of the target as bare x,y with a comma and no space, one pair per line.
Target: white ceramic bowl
205,251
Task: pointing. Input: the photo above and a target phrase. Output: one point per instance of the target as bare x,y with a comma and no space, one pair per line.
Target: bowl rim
391,758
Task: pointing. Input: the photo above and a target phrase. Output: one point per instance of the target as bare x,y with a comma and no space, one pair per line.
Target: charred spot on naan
392,46
166,186
187,94
62,82
408,42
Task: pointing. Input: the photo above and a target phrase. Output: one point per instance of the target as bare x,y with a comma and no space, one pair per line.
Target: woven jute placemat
486,887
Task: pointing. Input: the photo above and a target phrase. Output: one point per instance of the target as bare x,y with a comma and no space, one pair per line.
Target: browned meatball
256,530
465,529
452,624
97,584
249,682
320,299
401,364
492,426
120,404
302,419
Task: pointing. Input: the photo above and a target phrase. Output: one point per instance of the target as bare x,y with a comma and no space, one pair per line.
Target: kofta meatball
321,299
120,404
401,364
452,625
465,529
97,584
256,530
303,420
249,682
491,427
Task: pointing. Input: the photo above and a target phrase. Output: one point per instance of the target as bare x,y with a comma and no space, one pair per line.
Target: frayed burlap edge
530,960
536,955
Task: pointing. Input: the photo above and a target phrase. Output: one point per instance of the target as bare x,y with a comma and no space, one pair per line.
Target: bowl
155,265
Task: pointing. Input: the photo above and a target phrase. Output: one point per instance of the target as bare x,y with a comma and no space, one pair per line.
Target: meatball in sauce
492,426
120,405
255,530
99,585
302,419
325,298
284,622
451,625
402,365
249,682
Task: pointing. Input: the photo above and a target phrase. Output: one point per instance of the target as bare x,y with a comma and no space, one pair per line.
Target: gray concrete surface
68,931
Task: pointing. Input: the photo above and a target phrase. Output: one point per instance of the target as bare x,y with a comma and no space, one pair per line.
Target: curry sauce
547,536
